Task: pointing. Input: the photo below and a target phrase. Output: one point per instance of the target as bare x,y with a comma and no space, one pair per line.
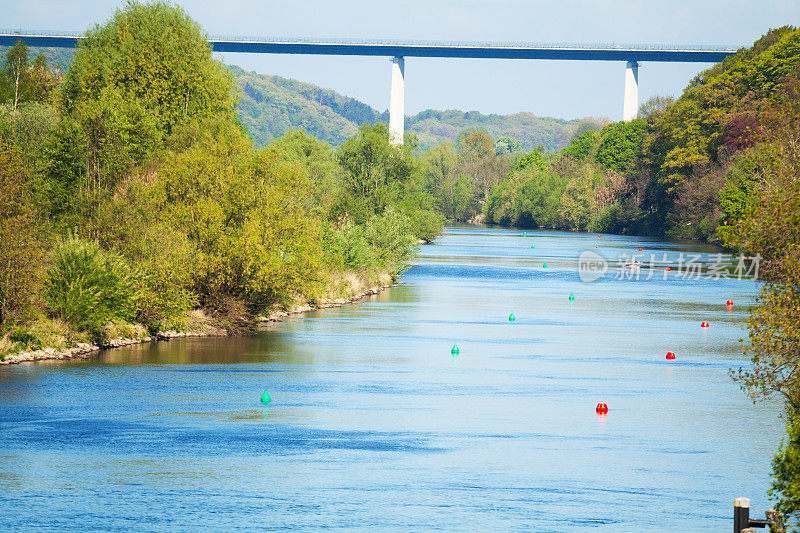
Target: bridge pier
630,106
397,114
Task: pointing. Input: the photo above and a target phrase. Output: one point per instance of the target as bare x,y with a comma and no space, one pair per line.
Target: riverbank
84,350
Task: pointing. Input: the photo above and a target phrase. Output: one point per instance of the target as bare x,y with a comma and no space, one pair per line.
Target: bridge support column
630,107
397,114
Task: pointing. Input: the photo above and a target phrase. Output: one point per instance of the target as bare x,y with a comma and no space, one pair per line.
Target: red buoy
640,249
669,269
729,303
670,355
601,409
704,324
598,236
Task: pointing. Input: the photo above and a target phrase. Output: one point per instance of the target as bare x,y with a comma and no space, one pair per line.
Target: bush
89,287
608,220
391,238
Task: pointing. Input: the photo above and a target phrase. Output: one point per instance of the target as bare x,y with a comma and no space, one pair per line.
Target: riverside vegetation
130,195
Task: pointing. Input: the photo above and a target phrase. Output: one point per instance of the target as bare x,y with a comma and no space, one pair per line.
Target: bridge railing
424,43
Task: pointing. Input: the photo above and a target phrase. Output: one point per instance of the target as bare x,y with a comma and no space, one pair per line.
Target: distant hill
271,105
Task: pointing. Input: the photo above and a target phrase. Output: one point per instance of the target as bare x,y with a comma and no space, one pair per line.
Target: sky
562,89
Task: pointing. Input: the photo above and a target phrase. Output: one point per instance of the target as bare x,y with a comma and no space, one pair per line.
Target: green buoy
533,246
265,397
571,297
544,265
454,349
511,317
524,233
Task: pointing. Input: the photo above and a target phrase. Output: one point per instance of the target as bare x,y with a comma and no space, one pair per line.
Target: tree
581,145
156,54
16,72
654,107
21,249
477,158
620,143
376,170
533,160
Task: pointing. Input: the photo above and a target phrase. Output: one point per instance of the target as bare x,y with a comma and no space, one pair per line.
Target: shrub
607,220
89,287
391,238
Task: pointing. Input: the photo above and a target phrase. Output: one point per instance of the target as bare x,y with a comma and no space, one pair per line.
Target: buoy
533,246
729,303
544,265
601,408
571,297
640,249
454,349
524,233
511,317
669,269
598,236
670,355
265,397
704,324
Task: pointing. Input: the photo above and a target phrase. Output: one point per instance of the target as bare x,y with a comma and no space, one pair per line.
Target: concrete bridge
632,55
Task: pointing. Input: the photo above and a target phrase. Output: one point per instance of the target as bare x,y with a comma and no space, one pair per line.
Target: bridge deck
565,51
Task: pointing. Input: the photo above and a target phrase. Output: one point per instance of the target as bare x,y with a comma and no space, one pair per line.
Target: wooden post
741,514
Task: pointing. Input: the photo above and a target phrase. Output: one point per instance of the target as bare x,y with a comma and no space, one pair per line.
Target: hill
272,105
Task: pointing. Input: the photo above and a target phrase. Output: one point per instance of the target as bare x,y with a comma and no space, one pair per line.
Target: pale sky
564,89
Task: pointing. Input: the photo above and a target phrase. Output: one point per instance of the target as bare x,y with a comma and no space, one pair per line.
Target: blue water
374,425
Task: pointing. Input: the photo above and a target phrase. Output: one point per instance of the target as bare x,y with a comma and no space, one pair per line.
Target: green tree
375,171
620,143
16,73
581,145
21,248
157,55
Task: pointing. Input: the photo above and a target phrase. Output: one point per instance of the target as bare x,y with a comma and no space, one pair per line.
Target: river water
375,425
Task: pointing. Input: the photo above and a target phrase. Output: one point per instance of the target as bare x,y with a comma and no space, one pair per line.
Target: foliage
534,160
507,145
21,247
785,487
153,54
28,127
581,145
620,142
89,287
385,242
376,171
244,210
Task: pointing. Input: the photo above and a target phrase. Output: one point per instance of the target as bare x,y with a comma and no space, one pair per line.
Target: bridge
631,54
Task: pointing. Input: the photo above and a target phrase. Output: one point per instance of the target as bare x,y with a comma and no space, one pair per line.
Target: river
374,424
